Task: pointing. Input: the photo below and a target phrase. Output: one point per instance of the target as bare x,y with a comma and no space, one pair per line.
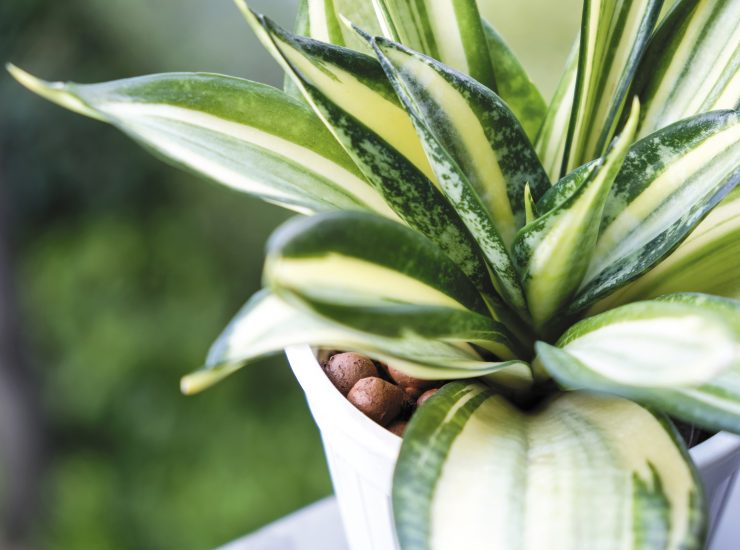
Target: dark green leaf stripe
413,270
655,343
553,133
707,261
552,253
450,31
713,406
692,64
342,267
513,84
326,73
268,323
613,38
323,22
564,189
245,135
477,181
669,181
474,472
478,130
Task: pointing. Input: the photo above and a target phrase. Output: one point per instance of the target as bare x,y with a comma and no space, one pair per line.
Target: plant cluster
573,267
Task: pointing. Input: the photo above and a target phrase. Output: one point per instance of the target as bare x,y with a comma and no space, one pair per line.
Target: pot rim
716,449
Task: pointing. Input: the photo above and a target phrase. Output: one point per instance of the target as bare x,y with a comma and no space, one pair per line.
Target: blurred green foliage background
125,270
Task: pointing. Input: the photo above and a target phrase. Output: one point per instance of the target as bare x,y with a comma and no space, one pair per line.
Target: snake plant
573,267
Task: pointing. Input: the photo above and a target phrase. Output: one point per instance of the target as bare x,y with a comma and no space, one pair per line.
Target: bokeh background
116,273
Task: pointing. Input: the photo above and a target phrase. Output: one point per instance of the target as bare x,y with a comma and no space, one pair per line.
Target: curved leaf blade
613,38
708,261
714,405
475,472
267,324
450,31
653,344
692,64
350,92
324,22
669,181
513,84
342,267
322,251
475,127
553,133
242,134
452,116
553,252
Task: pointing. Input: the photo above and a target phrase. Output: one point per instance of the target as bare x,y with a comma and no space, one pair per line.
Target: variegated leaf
707,261
350,92
481,155
713,404
582,471
652,344
325,22
553,252
343,268
478,130
553,133
450,31
613,38
513,84
267,324
692,64
245,135
667,184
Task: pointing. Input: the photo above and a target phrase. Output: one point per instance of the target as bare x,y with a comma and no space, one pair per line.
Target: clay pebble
414,387
344,370
379,400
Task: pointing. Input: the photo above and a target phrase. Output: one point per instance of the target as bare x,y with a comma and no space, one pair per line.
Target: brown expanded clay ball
424,396
398,427
379,400
414,387
345,369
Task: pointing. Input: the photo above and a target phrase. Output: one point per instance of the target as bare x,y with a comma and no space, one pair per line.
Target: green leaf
479,132
324,22
552,135
513,84
613,38
350,92
245,135
342,267
553,252
481,156
476,472
267,324
714,405
692,64
450,31
669,181
564,189
652,344
301,28
707,261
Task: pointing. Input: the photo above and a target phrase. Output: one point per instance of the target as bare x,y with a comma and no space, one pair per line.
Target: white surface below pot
361,457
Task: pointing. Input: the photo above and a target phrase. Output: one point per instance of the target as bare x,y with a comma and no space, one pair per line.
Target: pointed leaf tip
56,92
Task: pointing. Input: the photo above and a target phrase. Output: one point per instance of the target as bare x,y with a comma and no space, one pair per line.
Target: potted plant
571,268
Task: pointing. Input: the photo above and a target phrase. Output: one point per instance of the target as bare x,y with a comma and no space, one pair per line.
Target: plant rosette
568,273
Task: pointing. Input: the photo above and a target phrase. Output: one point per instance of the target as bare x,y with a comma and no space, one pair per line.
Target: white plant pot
361,456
